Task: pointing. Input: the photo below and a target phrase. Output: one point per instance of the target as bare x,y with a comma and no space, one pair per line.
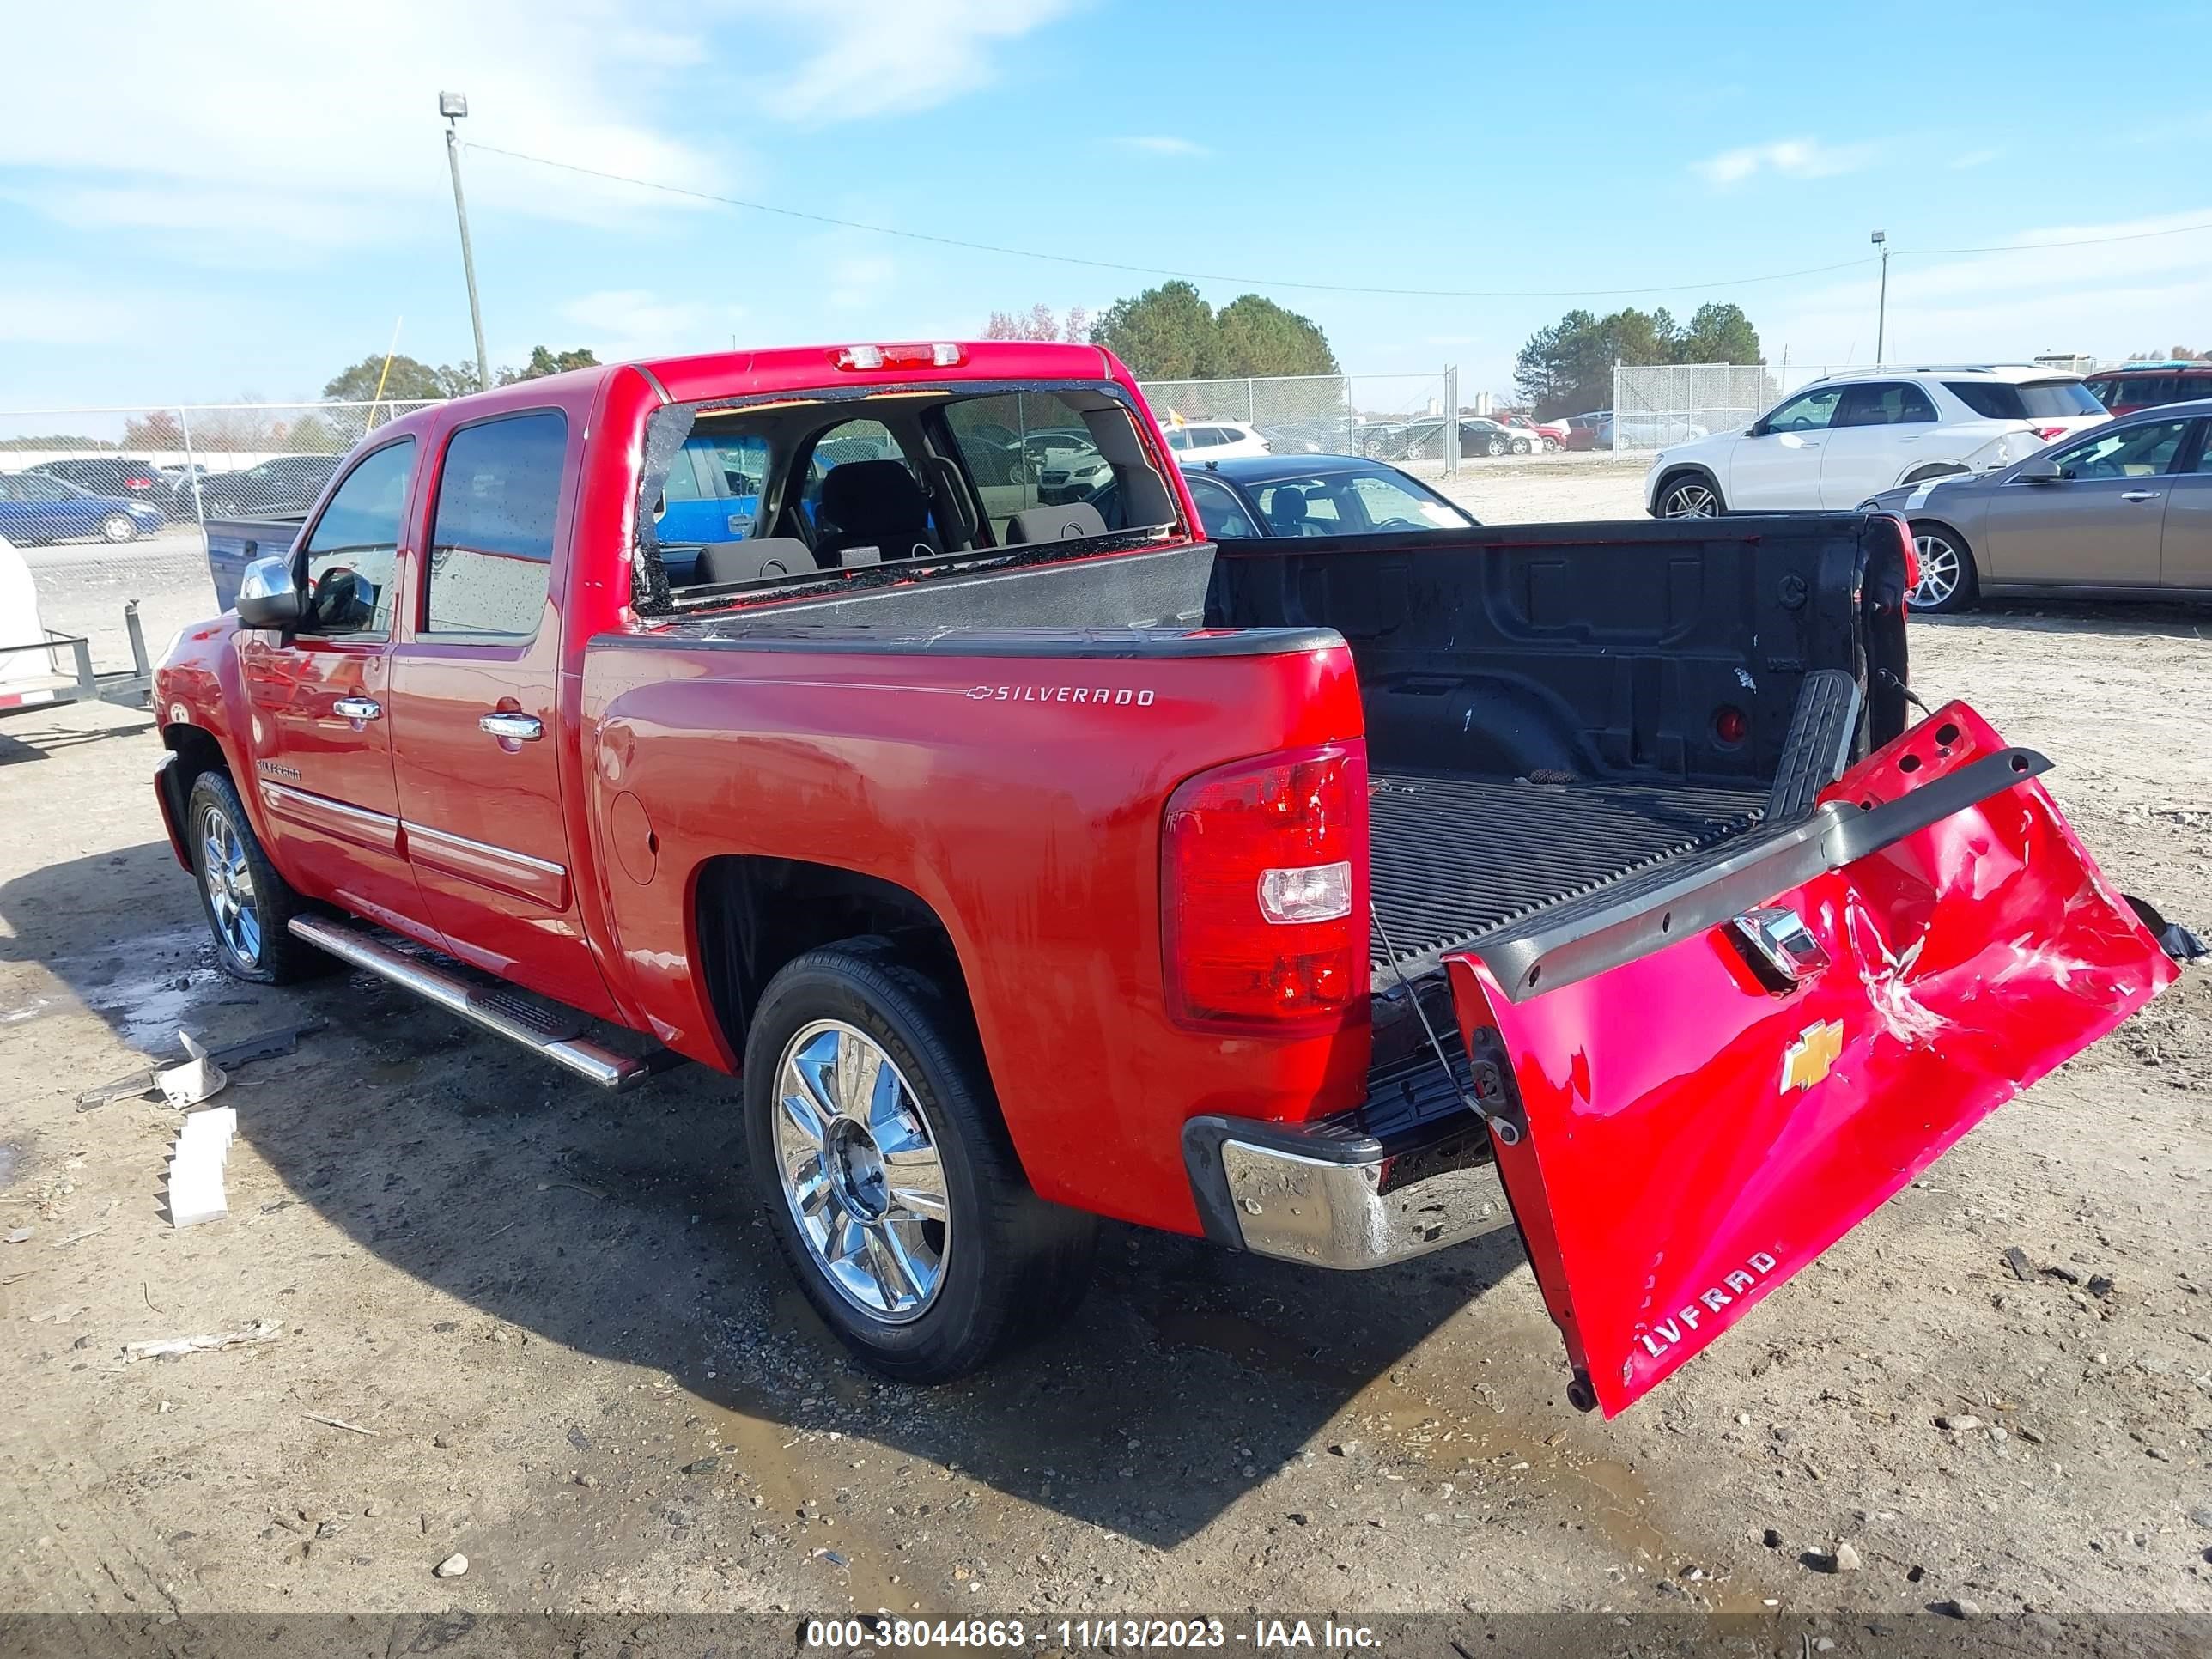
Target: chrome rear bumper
1329,1197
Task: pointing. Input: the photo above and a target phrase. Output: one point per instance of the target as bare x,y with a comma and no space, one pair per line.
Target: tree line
410,379
1170,333
1567,368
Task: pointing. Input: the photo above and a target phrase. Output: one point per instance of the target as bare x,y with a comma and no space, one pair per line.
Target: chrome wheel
1690,500
1942,569
860,1171
117,528
230,882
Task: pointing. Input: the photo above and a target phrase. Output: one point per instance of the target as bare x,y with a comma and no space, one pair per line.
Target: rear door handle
2140,495
512,728
358,709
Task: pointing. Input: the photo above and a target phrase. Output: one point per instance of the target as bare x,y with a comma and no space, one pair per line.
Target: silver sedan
2122,510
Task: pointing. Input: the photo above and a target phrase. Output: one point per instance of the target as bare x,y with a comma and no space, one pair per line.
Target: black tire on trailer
1948,580
247,904
889,1179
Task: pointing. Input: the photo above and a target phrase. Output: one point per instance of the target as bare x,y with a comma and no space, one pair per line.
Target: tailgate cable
1504,1127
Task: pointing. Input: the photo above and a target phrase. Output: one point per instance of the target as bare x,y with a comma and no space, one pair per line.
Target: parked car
1333,903
1641,432
1314,495
110,476
1218,439
1067,466
1424,439
36,507
1841,440
2124,510
1549,437
2145,385
281,485
1480,435
1583,429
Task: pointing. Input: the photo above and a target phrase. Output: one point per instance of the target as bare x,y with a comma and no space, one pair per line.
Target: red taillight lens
137,484
2048,433
1263,892
1730,724
1910,549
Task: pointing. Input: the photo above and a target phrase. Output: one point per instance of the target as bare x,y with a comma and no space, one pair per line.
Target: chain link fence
1665,403
1405,419
158,474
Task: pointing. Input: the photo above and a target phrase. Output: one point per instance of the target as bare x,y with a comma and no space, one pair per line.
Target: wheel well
753,914
196,751
1675,475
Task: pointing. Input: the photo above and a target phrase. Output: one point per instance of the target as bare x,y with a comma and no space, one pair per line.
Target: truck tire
247,904
890,1184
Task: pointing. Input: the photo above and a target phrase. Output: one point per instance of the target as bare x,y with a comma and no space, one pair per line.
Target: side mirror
2037,470
1757,429
267,597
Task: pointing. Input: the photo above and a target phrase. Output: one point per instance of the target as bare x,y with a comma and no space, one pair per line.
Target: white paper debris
195,1080
196,1189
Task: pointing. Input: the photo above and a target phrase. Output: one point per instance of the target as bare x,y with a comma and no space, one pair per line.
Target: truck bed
1455,858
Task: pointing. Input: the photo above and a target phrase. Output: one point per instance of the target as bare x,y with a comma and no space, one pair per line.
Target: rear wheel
1551,446
118,527
890,1184
1947,581
1689,496
247,904
1520,446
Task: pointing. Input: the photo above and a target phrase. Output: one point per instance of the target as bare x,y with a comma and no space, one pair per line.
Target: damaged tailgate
1717,1076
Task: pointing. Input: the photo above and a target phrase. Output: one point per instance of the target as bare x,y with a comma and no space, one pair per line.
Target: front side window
2134,452
352,554
1390,505
491,538
1812,411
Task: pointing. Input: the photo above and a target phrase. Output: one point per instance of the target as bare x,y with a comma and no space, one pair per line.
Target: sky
237,199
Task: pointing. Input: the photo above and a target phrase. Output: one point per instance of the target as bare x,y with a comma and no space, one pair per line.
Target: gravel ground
565,1346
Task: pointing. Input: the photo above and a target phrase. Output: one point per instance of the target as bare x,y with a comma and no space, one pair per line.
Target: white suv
1841,440
1216,440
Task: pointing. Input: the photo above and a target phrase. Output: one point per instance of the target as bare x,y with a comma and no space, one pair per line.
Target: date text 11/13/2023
1118,1632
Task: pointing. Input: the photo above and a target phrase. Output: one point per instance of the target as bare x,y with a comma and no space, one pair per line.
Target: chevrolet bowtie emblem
1807,1060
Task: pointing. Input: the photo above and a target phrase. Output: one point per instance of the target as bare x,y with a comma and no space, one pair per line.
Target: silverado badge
1809,1058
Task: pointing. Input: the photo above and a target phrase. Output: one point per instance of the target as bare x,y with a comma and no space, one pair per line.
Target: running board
496,1009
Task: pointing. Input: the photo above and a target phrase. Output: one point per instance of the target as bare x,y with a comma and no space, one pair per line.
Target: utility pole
453,106
1881,306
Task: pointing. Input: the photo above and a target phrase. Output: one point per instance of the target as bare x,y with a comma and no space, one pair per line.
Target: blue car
35,507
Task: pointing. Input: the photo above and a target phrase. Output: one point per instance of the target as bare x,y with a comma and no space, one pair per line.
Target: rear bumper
1327,1196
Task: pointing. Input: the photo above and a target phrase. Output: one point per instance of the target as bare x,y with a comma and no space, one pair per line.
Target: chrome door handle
358,709
512,728
2140,495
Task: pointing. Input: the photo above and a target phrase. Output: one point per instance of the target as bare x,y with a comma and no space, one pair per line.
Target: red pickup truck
1339,899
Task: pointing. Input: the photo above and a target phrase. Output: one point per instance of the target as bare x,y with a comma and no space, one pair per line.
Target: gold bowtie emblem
1807,1060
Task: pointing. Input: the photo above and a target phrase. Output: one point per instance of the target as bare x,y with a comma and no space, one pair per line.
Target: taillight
1910,549
942,356
2048,433
1263,892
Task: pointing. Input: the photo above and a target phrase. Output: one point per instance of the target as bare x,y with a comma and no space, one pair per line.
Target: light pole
453,106
1881,306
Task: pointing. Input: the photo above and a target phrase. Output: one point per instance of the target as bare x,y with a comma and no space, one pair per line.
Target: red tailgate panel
1677,1167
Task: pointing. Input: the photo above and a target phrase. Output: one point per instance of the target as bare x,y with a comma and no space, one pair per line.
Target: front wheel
1520,446
890,1180
1551,446
1495,446
247,904
118,527
1946,581
1690,496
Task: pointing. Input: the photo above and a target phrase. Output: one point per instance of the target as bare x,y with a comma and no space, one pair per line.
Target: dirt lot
575,1358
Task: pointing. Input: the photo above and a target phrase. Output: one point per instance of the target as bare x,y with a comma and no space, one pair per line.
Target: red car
2148,386
1027,868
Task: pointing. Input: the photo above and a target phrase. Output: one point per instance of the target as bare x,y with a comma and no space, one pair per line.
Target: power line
2076,241
1159,271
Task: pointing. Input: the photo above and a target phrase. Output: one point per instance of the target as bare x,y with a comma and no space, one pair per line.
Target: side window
713,492
1178,437
1870,405
2133,452
1029,449
491,538
1913,405
353,553
1218,510
1811,412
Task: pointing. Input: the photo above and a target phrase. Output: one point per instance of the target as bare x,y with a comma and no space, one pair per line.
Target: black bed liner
1456,858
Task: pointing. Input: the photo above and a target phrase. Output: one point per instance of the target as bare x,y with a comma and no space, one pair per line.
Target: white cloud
876,57
1791,158
1163,144
2108,298
620,324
